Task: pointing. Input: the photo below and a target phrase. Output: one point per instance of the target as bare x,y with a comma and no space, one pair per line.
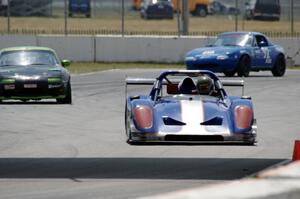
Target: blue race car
238,52
178,110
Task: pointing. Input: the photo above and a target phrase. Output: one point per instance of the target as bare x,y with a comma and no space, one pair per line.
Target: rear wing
150,81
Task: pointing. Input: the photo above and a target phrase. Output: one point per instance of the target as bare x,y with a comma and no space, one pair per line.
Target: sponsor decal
208,52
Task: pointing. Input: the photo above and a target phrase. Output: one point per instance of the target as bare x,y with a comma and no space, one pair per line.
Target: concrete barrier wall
291,46
146,49
16,40
75,48
129,48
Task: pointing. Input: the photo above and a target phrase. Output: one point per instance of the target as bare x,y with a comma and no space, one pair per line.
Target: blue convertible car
238,52
182,109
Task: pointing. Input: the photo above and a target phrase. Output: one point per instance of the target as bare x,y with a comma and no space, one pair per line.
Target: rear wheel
201,11
68,98
279,67
244,65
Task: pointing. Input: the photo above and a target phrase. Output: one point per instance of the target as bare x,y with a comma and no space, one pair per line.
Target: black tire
229,73
127,131
68,98
244,65
279,67
201,11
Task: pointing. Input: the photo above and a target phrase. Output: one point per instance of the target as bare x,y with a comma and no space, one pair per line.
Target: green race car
34,73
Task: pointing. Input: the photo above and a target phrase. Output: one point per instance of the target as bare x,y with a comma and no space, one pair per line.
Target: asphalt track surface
79,151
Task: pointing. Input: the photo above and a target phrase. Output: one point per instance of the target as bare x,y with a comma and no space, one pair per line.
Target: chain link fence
94,17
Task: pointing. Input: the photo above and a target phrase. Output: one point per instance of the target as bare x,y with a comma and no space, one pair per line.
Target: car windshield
233,40
183,87
27,58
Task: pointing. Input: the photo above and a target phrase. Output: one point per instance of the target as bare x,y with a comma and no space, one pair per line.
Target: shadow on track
29,103
133,168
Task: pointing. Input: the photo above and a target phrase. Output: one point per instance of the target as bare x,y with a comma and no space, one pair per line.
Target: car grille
41,89
194,138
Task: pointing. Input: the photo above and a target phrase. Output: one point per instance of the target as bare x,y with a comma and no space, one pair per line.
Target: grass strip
87,67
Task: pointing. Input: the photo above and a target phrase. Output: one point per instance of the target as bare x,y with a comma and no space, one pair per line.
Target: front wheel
127,128
279,67
244,65
68,98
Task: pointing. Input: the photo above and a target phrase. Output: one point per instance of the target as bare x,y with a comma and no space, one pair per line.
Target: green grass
295,67
110,24
87,67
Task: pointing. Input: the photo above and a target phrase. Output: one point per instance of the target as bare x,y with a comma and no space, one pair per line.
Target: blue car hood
213,51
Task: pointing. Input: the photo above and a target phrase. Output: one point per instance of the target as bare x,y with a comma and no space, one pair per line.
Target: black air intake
195,138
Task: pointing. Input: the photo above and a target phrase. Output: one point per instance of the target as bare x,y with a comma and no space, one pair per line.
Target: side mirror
65,63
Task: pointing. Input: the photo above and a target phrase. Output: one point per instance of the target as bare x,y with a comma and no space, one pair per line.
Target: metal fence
118,17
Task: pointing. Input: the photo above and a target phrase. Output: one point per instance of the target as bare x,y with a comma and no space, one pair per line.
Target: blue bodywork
168,117
239,52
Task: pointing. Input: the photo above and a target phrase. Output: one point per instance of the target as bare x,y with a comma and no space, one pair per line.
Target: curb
282,182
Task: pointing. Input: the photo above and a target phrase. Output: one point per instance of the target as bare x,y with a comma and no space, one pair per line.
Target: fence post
123,18
178,17
236,15
185,15
66,18
8,16
292,18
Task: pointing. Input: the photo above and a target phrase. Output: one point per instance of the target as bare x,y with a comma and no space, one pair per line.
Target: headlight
54,80
8,81
243,117
143,117
222,57
190,59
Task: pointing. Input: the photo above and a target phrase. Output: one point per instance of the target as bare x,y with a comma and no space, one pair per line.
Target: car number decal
267,56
